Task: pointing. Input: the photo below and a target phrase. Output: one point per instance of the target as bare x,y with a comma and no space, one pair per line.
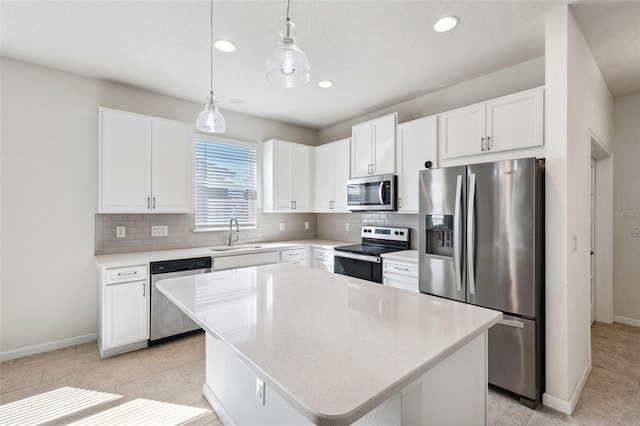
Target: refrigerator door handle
457,234
511,323
471,234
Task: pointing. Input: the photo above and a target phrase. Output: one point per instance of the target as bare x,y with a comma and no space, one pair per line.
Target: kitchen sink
236,247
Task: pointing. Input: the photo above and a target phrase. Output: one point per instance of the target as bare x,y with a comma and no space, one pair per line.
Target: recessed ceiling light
325,84
236,101
446,23
225,46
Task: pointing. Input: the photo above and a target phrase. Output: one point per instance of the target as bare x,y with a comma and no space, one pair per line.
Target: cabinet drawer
323,255
244,260
399,281
293,255
401,268
129,273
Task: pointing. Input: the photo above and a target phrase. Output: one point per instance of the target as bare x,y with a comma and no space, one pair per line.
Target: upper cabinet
287,177
144,164
332,173
373,146
503,124
417,144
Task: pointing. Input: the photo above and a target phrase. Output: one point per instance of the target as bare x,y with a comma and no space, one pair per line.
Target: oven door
358,266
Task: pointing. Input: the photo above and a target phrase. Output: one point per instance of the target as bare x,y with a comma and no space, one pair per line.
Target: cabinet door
384,145
302,181
282,176
342,150
172,158
125,162
361,154
324,167
417,141
515,121
461,132
126,314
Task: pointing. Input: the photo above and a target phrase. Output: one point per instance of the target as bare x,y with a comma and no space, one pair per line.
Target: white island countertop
333,346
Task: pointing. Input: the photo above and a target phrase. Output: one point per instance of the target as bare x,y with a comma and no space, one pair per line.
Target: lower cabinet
322,259
124,307
244,260
295,256
399,274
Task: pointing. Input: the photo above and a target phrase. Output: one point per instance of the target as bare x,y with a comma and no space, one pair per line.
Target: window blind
225,184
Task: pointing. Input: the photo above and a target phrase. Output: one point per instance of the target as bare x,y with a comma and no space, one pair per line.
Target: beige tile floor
163,385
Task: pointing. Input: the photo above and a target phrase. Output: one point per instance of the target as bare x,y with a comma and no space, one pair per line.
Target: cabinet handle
488,143
373,168
124,274
148,203
399,203
368,169
481,144
401,269
291,202
144,290
154,202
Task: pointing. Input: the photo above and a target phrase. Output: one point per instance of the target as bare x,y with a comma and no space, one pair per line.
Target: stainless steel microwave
372,193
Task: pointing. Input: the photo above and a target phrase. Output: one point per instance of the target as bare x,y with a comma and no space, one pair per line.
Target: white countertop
404,256
334,346
126,259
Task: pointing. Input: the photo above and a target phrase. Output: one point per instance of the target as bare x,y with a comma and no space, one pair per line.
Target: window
225,183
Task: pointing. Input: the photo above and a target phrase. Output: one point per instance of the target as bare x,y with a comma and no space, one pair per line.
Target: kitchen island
332,349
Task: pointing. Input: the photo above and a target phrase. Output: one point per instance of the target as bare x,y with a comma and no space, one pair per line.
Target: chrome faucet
233,240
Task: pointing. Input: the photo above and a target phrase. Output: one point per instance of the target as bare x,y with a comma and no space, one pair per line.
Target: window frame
258,180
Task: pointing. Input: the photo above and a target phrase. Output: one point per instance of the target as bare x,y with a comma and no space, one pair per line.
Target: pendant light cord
211,46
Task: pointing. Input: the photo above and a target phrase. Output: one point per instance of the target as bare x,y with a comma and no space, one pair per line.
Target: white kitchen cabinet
373,147
503,124
244,260
287,177
332,173
124,309
417,143
322,258
144,164
297,256
400,274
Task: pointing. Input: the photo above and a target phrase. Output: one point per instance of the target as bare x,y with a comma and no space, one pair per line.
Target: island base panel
452,392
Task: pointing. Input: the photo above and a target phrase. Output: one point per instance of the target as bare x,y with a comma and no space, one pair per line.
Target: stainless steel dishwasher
168,322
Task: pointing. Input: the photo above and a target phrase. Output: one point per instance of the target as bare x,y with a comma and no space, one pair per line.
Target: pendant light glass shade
288,66
210,120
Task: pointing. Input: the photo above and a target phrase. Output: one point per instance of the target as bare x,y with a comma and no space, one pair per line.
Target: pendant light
210,120
288,66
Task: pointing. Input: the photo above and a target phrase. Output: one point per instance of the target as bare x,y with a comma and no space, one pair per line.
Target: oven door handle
355,256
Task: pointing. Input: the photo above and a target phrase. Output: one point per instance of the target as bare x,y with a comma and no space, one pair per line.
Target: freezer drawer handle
511,323
471,234
456,234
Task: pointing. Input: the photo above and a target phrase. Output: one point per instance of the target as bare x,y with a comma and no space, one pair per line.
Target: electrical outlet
260,391
306,225
635,231
159,231
282,226
346,226
121,231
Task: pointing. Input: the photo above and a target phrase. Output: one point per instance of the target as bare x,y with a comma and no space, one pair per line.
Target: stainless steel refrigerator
481,242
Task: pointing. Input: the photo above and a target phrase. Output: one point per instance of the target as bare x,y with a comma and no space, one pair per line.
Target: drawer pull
401,269
124,274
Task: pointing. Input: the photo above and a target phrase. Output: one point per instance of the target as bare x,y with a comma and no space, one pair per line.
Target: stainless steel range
364,260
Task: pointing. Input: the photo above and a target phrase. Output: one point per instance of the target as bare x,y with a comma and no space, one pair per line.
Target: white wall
526,75
577,100
49,135
626,212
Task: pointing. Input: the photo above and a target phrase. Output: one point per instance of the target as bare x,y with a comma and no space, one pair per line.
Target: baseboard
625,320
565,406
46,347
222,414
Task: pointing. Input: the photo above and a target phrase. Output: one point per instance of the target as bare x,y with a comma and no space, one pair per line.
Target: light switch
121,231
282,226
159,231
306,225
346,226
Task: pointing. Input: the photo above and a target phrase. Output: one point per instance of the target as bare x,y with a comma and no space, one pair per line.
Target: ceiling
378,52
